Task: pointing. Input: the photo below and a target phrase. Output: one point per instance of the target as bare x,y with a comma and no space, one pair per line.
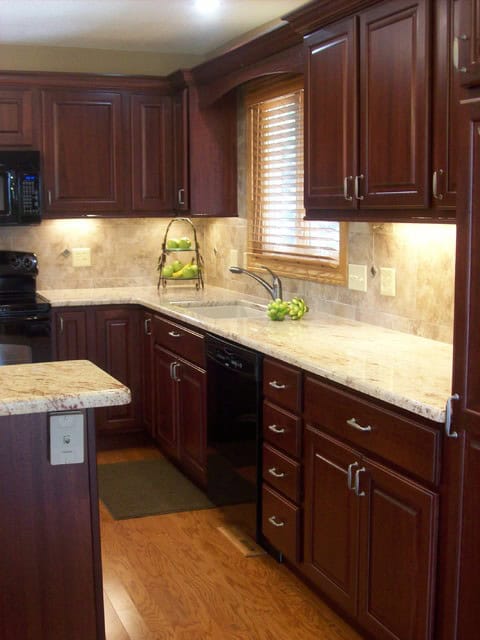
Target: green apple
184,243
194,270
167,271
188,272
177,265
172,243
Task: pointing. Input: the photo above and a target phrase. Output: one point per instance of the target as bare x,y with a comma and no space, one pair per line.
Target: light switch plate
388,281
357,277
67,437
81,257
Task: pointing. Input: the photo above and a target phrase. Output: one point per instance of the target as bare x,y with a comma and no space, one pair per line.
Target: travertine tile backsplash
125,252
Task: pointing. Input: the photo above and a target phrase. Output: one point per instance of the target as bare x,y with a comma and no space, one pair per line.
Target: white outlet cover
67,437
388,281
81,257
357,277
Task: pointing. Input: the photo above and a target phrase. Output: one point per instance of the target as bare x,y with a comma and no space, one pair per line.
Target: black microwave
20,188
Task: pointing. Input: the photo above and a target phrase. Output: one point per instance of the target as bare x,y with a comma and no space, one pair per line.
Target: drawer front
281,523
282,384
410,445
180,340
281,473
282,429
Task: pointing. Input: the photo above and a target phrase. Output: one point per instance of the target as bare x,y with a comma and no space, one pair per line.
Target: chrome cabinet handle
49,196
147,324
353,423
356,487
275,429
277,385
276,523
276,474
435,192
174,334
180,196
175,367
456,53
351,467
346,180
357,187
448,417
61,324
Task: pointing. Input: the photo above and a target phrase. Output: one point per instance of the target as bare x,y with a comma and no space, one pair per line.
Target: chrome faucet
274,289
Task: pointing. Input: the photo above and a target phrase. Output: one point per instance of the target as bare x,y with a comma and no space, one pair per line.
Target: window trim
311,269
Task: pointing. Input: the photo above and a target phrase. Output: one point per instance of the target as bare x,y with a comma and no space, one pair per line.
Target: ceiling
175,27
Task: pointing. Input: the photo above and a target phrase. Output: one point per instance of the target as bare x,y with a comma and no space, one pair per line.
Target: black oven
25,325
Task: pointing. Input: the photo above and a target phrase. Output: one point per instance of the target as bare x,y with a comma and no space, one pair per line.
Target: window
278,236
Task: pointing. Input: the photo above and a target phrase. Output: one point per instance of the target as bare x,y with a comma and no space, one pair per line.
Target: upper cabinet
367,117
16,116
466,51
84,151
151,144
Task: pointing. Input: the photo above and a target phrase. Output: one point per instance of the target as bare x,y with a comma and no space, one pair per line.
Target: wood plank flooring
176,577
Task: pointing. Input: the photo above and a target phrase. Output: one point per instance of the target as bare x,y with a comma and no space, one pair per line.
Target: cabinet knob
456,52
448,416
357,187
346,195
181,196
353,423
350,469
436,194
276,474
61,324
356,487
174,334
276,385
148,326
275,429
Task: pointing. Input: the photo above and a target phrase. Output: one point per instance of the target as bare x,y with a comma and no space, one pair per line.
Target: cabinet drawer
410,445
281,472
281,523
282,384
282,429
180,340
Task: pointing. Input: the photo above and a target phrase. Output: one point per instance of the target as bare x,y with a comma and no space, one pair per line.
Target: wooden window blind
278,236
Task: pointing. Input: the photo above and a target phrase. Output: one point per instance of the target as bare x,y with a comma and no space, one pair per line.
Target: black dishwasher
234,418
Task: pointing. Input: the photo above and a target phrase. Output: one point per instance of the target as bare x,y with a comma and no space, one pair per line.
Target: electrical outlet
67,438
81,257
388,281
357,277
233,258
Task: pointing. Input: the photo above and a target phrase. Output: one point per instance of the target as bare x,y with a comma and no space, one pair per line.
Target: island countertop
404,370
57,386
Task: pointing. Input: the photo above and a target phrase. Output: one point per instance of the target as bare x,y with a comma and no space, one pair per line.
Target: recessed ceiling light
207,6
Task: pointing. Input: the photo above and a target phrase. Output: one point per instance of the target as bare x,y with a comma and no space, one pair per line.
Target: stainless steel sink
224,309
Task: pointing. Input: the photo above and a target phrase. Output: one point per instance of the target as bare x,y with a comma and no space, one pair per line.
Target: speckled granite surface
57,386
407,371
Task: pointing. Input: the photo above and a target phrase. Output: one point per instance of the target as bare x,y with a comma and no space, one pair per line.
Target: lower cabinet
109,336
180,396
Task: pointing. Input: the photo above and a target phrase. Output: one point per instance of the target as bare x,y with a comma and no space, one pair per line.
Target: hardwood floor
176,577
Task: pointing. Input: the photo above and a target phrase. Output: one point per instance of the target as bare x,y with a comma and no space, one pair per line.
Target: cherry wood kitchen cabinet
151,144
70,334
16,116
180,395
84,152
117,351
459,614
147,373
181,186
370,530
445,107
373,102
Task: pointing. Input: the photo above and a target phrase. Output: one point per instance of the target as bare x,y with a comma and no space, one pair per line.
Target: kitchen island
50,567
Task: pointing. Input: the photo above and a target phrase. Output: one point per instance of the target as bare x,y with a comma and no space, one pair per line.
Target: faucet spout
274,289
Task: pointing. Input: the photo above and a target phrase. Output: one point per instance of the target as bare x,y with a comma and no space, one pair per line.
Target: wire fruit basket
176,270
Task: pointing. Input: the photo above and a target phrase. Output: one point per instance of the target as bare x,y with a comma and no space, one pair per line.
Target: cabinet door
444,110
460,532
331,519
70,330
180,151
331,117
165,400
394,98
118,352
398,536
467,41
151,153
83,152
16,117
192,418
147,373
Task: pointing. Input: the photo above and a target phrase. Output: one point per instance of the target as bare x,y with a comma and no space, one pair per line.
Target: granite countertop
406,371
57,386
